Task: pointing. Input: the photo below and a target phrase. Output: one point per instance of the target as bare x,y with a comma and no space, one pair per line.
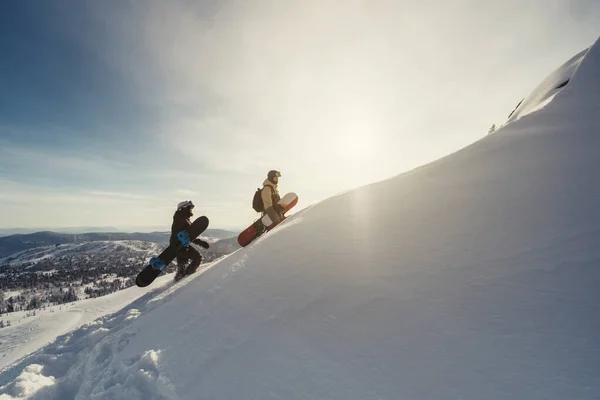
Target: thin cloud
118,195
334,94
57,161
261,82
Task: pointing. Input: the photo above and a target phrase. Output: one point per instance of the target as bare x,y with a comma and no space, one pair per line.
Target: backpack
257,202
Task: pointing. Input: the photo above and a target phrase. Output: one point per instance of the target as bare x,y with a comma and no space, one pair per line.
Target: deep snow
28,333
473,277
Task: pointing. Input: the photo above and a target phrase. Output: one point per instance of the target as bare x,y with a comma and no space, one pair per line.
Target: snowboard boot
260,228
192,268
181,272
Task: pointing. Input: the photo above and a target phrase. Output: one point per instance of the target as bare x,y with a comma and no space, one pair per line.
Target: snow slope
28,334
474,277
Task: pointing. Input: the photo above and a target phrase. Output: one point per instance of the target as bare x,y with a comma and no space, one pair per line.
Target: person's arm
202,243
267,198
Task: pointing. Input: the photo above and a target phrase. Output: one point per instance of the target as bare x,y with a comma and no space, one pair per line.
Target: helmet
272,174
185,204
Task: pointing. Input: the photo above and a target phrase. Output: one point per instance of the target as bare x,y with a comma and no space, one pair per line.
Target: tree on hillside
2,303
10,306
34,303
69,296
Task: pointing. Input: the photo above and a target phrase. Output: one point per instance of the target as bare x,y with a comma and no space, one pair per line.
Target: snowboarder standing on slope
181,221
270,196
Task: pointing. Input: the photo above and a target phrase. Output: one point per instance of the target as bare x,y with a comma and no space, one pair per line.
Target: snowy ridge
563,89
473,277
550,87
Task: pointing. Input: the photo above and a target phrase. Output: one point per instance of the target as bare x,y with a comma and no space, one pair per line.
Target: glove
201,243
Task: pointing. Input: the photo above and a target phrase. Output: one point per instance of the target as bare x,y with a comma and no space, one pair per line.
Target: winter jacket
269,194
180,222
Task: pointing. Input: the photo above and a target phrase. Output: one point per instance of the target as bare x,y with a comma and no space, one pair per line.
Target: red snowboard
249,234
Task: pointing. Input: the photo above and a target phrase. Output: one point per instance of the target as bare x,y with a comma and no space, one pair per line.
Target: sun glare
352,157
355,147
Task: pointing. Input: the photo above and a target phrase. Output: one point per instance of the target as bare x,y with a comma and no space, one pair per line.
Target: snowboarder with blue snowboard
181,222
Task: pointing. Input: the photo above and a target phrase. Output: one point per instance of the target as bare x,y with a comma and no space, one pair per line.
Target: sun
355,147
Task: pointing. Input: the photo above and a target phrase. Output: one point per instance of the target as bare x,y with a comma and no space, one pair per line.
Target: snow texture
474,277
27,334
82,365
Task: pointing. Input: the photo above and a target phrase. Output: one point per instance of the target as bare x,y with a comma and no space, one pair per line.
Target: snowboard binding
157,263
260,227
184,238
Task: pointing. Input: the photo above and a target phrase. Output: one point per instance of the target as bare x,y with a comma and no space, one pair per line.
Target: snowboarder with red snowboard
270,197
272,207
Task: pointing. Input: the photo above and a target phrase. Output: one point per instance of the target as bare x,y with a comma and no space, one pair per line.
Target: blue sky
111,112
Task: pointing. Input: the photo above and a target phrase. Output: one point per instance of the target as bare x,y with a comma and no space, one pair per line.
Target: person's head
185,207
273,176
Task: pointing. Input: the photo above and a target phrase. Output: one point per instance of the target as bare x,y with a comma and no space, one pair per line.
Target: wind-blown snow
474,277
550,87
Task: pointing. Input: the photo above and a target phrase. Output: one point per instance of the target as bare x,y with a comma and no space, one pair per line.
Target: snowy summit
473,277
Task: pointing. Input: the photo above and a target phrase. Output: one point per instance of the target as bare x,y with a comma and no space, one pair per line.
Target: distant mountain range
85,229
56,274
81,229
19,242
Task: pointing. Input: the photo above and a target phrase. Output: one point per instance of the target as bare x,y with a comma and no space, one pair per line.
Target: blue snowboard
156,265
